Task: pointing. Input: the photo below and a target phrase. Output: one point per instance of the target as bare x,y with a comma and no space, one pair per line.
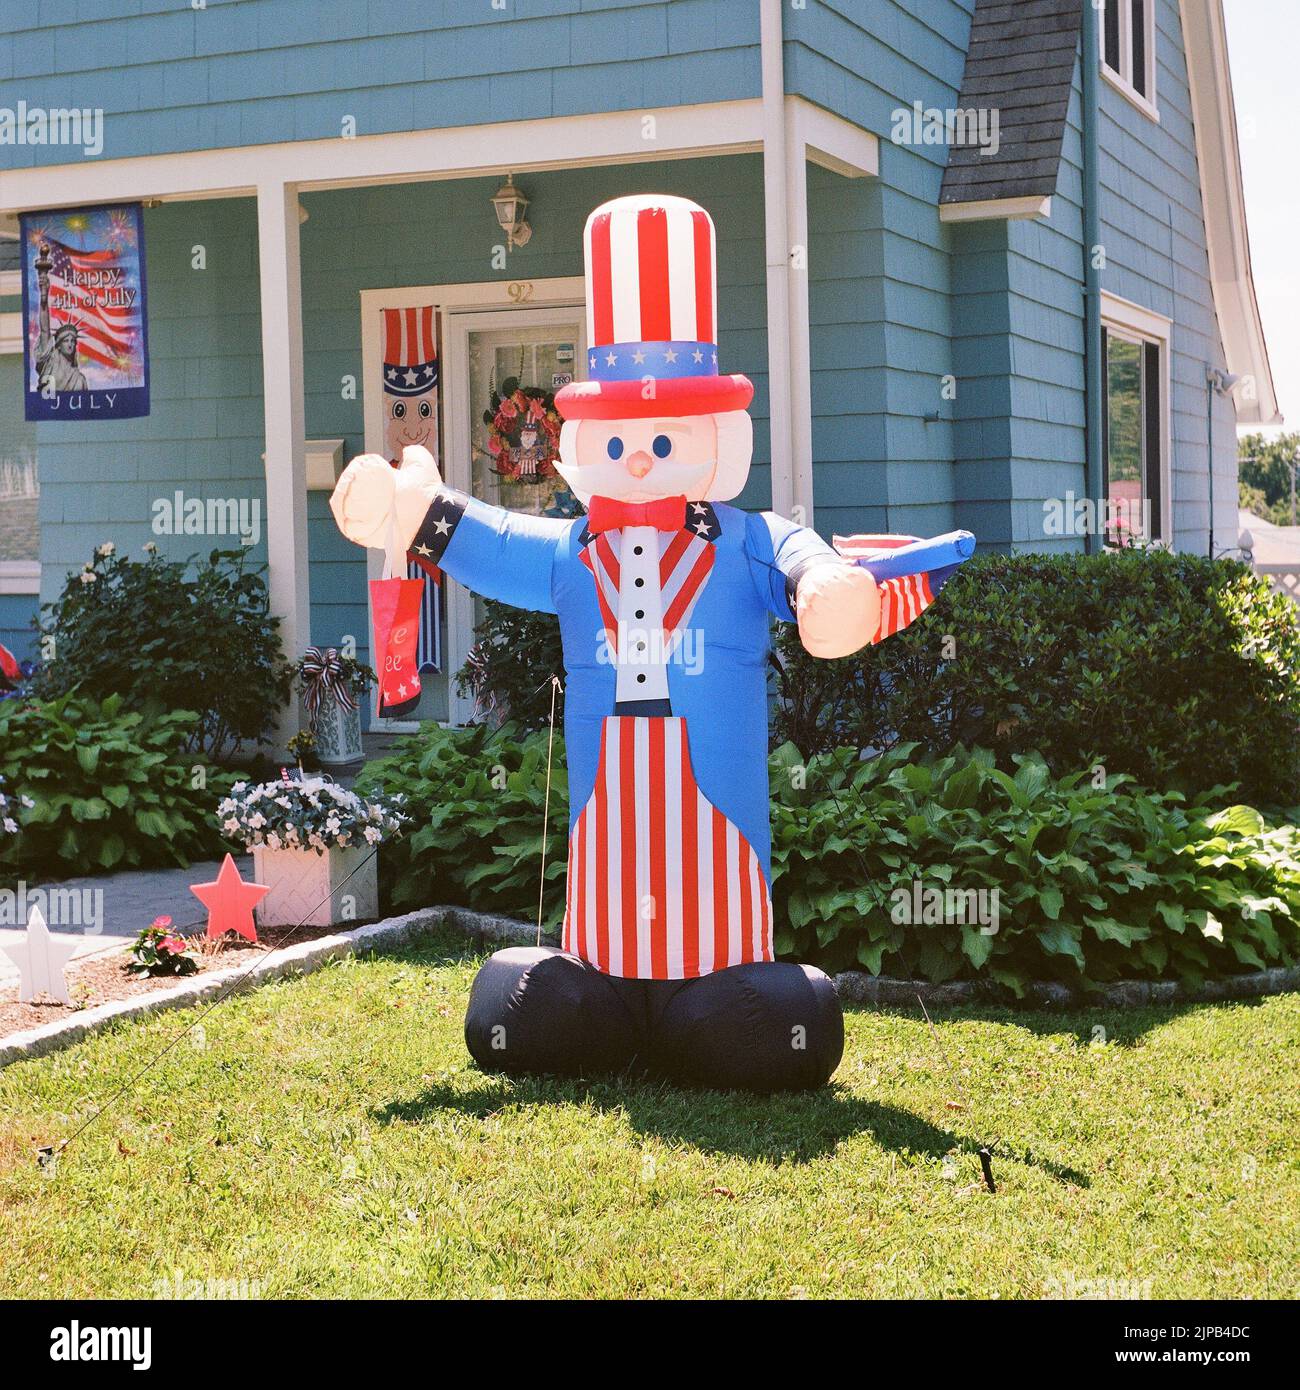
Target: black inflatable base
762,1027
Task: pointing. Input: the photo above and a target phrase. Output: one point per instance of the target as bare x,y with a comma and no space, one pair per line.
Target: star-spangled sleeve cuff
439,525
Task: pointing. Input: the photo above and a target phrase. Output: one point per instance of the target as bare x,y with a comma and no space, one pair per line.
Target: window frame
16,576
1134,323
1121,78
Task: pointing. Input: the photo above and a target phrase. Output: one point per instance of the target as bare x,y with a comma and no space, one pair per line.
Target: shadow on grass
775,1129
1122,1026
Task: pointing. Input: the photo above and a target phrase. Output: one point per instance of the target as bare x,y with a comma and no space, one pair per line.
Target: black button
640,646
636,550
640,680
640,612
639,583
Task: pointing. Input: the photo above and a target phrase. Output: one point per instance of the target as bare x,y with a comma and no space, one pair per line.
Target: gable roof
1020,63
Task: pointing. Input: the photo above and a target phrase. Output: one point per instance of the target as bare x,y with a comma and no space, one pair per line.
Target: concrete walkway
109,909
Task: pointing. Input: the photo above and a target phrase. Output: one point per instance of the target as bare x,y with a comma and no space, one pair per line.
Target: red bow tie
664,514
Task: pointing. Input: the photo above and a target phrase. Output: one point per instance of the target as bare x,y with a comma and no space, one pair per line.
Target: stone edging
486,930
860,988
289,960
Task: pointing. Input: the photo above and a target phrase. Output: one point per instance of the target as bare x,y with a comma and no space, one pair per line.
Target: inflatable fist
370,494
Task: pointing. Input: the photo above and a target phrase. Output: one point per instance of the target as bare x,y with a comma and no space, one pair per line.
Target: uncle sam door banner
410,399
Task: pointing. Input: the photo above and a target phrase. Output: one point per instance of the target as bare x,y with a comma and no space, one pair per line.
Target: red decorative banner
395,608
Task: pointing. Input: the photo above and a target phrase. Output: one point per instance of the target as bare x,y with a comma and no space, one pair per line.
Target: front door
499,371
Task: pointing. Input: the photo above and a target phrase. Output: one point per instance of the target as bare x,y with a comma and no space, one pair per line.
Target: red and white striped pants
661,885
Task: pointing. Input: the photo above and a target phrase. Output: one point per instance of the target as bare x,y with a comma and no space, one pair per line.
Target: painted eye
663,446
399,410
614,448
425,410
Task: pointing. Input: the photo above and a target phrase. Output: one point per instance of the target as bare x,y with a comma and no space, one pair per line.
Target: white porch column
800,352
776,255
282,390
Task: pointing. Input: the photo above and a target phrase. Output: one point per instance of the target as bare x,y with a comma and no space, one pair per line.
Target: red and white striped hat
652,292
410,351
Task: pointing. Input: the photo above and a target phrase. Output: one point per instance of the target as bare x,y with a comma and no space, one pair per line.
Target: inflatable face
410,381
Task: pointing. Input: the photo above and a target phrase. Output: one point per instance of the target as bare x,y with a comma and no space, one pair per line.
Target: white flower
150,547
26,801
11,826
372,835
87,577
106,549
273,840
230,826
256,821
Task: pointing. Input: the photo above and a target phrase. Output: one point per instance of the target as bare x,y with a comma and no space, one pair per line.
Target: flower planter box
338,735
314,890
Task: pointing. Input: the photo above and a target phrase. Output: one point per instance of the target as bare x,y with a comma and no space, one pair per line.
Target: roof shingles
1020,63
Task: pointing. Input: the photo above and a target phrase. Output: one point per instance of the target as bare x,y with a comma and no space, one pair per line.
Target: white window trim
1122,80
1135,323
20,576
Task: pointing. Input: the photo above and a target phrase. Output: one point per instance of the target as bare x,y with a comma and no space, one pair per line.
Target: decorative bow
664,514
322,674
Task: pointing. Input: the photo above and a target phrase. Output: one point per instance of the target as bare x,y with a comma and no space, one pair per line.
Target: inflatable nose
639,463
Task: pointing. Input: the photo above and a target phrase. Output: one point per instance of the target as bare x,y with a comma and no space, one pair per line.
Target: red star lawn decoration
230,901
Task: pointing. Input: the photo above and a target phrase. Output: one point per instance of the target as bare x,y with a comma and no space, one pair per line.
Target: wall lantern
512,213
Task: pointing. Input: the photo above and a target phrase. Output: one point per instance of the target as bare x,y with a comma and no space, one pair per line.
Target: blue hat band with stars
632,361
398,380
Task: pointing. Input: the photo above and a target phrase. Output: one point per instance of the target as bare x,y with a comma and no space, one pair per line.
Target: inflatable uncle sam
664,594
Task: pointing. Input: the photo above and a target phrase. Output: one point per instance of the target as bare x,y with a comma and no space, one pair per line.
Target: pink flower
161,922
172,945
508,408
494,445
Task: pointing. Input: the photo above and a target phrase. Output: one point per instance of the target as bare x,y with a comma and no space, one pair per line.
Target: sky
1264,50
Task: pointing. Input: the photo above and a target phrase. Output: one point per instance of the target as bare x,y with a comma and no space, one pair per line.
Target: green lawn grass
329,1135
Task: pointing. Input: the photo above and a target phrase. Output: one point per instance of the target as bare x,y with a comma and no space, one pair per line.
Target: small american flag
91,291
909,571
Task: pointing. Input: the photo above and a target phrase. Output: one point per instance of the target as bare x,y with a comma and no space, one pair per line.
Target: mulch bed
103,979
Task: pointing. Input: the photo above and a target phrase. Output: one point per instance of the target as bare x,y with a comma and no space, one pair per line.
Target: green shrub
509,668
474,798
1177,670
1094,883
189,634
111,787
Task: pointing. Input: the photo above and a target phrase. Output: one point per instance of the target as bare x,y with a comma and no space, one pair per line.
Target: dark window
1139,70
19,493
1112,34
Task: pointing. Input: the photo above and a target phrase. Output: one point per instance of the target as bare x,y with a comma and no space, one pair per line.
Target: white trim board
610,137
1010,209
20,576
1223,203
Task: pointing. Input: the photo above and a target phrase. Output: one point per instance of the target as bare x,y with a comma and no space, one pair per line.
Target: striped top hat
410,351
652,293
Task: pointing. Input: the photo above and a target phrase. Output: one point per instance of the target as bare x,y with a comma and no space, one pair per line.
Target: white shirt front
641,661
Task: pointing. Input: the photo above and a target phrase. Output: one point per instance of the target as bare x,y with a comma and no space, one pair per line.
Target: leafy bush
110,788
1094,883
508,672
473,838
189,634
1177,670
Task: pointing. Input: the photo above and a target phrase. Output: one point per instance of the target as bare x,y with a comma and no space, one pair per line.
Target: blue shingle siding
247,72
16,614
880,292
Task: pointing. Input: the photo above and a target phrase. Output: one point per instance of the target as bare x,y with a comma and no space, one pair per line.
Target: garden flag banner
411,417
395,606
85,329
